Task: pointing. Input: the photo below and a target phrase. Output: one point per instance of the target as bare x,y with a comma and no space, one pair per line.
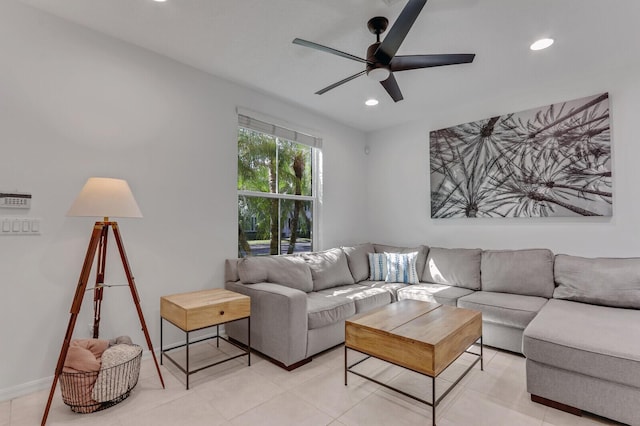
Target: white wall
399,191
75,104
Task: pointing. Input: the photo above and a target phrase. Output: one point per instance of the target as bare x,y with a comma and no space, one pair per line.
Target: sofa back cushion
289,271
527,272
457,267
329,268
231,270
420,260
358,260
599,281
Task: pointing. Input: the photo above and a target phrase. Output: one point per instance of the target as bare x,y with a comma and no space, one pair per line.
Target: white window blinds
278,131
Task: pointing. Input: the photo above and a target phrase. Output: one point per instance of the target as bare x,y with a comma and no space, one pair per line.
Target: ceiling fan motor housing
375,69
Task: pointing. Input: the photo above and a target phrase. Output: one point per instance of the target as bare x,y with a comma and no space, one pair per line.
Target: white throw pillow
377,266
401,268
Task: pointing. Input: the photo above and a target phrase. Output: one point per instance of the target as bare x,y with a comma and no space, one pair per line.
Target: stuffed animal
120,340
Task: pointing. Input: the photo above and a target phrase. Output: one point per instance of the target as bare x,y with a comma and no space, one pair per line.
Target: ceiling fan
381,60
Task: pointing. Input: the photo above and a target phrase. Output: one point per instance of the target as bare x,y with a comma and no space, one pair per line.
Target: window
277,188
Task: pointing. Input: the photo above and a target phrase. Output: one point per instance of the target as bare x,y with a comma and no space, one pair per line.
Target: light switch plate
19,225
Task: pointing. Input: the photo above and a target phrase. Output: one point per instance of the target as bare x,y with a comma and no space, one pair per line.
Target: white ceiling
249,42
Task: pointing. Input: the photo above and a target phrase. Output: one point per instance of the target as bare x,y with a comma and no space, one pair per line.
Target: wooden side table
202,309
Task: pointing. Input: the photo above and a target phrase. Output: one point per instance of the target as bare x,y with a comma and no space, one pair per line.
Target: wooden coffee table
420,336
201,309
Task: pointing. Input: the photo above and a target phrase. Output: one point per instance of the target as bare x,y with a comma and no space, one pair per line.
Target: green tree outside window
275,201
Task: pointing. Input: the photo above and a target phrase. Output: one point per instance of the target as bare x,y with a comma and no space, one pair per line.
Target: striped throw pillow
377,266
401,268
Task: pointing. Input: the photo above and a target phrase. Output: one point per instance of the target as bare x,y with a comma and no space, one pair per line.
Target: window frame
280,131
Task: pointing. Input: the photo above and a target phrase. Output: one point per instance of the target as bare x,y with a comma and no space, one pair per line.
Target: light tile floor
314,394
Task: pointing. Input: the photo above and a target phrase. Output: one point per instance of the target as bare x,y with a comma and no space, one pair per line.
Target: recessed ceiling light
371,102
543,43
160,1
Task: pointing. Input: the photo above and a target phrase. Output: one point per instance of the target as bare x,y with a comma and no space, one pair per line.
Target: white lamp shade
105,197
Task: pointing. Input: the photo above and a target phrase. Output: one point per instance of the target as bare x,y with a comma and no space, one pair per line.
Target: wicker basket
79,391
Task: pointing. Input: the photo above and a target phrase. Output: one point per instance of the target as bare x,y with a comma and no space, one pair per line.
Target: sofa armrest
279,321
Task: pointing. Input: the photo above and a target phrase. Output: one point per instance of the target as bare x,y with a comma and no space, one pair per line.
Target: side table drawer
207,316
196,310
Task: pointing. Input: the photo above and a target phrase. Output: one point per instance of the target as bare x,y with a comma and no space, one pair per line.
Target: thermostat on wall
15,200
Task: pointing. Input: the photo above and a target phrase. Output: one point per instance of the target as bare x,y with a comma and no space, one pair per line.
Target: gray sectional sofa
583,347
576,320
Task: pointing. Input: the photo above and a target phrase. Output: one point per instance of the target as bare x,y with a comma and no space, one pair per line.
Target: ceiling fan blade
391,43
334,85
412,62
392,88
317,46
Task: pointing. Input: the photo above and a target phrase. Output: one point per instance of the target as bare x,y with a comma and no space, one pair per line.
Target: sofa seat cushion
364,297
445,294
326,309
596,341
512,310
392,288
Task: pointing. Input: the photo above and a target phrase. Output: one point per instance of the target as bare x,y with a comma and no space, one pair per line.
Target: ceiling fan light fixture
371,102
543,43
379,74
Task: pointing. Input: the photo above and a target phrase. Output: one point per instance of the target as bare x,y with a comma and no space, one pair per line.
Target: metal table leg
188,373
249,341
433,401
345,365
186,367
161,351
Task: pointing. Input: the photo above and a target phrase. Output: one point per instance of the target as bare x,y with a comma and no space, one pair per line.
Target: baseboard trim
557,405
25,388
17,391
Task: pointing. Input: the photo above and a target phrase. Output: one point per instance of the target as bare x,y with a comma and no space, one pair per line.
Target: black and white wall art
549,161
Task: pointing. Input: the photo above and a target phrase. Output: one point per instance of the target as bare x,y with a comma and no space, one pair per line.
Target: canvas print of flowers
550,161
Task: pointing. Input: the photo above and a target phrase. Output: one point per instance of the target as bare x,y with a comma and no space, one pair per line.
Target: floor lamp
101,197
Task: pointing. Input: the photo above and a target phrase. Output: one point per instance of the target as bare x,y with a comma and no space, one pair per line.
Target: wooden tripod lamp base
101,194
